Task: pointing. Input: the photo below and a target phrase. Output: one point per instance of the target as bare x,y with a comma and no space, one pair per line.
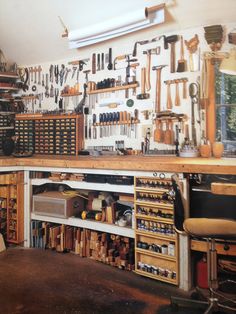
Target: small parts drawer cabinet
49,134
155,238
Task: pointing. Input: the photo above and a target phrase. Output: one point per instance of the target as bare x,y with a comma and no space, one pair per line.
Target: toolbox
57,204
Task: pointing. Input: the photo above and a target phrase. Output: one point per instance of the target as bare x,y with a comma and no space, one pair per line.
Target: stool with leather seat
209,229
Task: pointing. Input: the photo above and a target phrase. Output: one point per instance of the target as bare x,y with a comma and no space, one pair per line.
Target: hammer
158,69
149,52
171,40
143,95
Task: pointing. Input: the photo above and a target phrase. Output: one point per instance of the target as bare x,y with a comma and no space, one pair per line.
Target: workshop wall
134,135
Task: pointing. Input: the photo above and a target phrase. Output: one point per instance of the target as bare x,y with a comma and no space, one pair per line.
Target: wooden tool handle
167,133
158,91
121,57
172,57
177,98
125,117
148,69
143,78
181,48
169,100
184,88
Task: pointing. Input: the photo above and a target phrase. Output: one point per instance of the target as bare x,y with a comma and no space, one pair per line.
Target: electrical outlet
145,129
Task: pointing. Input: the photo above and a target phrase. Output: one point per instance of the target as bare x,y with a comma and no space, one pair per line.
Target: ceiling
30,31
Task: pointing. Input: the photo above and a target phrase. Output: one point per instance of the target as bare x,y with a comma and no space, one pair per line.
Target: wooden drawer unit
156,242
50,134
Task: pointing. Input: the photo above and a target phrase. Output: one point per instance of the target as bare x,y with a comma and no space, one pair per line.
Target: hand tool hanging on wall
102,65
47,87
56,73
144,42
169,103
94,63
182,63
39,74
177,98
157,131
176,140
184,81
232,37
194,94
158,69
66,74
79,108
35,75
143,94
60,104
74,68
98,62
94,126
31,74
192,46
86,113
62,72
51,73
120,58
149,53
171,40
51,93
24,76
214,36
56,90
128,78
110,65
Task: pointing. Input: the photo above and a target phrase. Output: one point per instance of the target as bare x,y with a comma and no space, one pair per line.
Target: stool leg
212,264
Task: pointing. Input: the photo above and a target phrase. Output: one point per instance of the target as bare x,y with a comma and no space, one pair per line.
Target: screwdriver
100,124
117,119
94,126
104,123
136,122
110,123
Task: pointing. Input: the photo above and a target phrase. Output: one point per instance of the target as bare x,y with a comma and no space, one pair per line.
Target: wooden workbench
132,163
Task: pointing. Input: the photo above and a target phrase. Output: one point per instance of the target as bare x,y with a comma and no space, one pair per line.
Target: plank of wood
223,188
225,248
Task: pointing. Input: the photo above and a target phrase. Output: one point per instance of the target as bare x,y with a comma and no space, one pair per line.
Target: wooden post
211,107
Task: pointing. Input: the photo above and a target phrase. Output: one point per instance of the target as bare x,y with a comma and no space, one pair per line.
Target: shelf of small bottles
155,254
150,212
157,272
154,183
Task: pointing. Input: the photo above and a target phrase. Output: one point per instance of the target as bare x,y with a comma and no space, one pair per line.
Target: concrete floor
37,281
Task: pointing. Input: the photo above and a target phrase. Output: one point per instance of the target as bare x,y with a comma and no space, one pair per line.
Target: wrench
66,74
39,74
73,72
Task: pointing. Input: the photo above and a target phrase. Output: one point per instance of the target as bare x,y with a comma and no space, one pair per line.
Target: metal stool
210,229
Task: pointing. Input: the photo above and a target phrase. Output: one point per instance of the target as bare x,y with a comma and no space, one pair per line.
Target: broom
182,63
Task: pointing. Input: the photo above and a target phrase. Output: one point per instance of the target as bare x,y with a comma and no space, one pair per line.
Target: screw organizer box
49,134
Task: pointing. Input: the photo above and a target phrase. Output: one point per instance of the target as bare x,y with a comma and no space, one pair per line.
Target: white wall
122,46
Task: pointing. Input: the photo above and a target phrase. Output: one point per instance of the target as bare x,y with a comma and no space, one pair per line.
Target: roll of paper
115,27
